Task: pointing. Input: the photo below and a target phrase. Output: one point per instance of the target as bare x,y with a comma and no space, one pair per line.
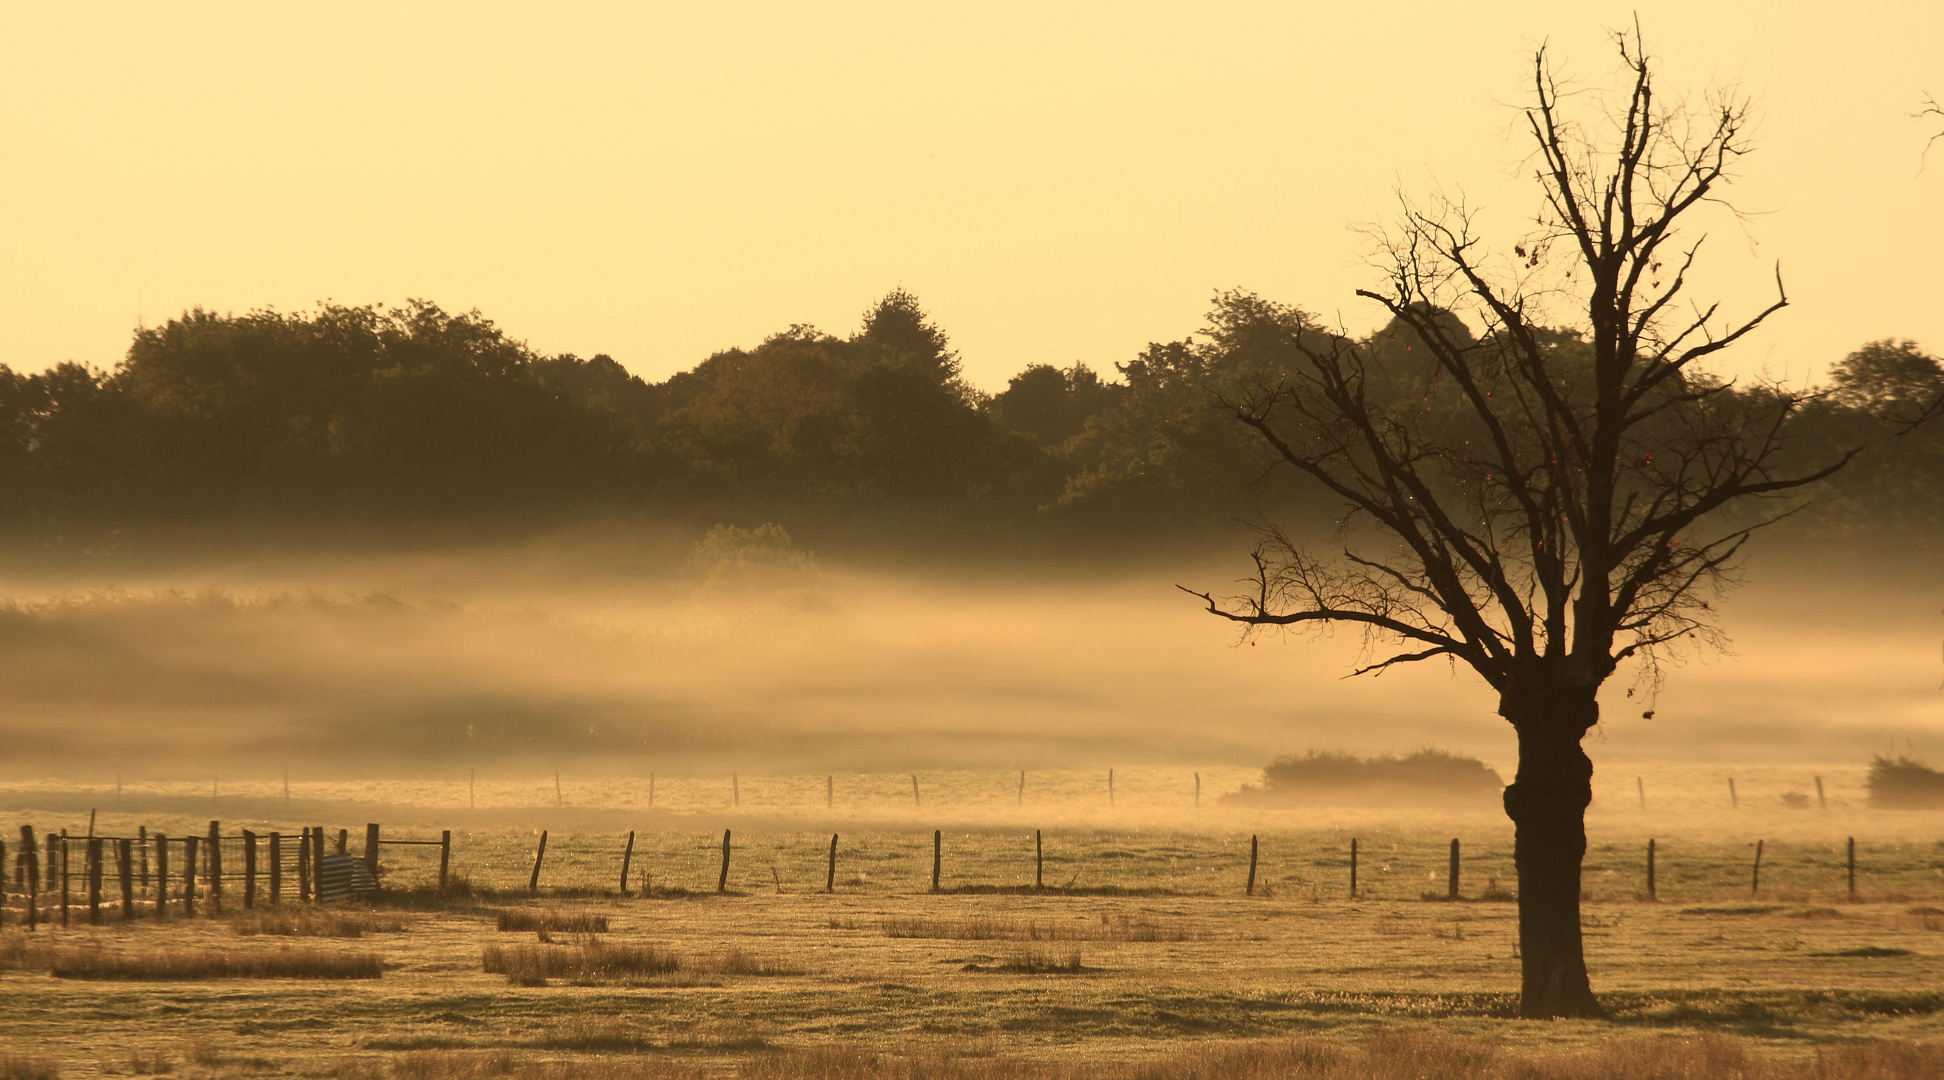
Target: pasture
1141,952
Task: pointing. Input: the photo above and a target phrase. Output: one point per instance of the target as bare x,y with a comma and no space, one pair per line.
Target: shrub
1903,783
1324,777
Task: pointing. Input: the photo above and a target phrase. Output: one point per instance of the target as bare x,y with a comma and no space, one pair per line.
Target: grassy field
1142,958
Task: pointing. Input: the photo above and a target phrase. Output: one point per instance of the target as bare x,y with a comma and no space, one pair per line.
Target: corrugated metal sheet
342,876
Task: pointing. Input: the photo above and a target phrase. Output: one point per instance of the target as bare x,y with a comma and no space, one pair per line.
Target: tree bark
1547,804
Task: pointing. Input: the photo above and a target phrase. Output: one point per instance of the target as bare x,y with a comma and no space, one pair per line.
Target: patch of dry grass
998,928
193,965
505,1065
552,920
608,962
311,922
27,1067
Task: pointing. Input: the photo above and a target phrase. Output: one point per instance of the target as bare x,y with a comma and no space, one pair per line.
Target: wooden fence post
1755,883
533,883
30,851
189,875
371,850
1253,848
125,866
1453,894
215,868
1652,893
735,790
1852,868
1039,861
1020,800
722,880
1110,787
249,868
559,799
830,792
627,857
938,855
317,862
344,842
64,877
1821,803
304,865
142,842
830,881
1734,800
1641,786
1353,868
276,869
445,857
161,876
1198,791
916,799
94,880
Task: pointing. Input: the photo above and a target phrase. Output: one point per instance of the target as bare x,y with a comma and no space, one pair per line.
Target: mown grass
311,922
597,962
552,920
93,962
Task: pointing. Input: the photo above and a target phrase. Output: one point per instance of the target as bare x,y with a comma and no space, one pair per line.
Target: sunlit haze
658,182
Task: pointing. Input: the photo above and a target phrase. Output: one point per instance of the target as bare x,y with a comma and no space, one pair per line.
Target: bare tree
1546,504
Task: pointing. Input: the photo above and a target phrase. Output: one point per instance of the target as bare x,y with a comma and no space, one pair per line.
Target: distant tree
1052,404
899,323
1892,379
877,420
1879,397
1545,505
1165,456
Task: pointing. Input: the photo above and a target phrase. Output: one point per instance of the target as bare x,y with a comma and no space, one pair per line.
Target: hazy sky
1057,184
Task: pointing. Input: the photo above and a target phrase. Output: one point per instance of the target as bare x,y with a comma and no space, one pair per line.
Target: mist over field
603,656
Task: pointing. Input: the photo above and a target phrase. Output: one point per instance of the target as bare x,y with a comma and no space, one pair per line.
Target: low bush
1325,778
1903,783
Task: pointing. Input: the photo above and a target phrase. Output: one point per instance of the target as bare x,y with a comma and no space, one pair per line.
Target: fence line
55,872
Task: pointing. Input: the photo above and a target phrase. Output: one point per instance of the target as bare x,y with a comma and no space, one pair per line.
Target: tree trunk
1547,804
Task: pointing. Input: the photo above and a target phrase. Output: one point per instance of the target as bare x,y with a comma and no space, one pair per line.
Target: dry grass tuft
192,965
606,962
533,965
552,920
27,1067
310,922
505,1065
150,1062
995,928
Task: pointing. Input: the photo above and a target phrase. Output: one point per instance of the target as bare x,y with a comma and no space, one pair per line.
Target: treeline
386,415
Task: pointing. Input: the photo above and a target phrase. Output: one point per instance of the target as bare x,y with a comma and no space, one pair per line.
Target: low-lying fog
600,657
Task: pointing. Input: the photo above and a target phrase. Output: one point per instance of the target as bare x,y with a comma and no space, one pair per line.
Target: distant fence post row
45,874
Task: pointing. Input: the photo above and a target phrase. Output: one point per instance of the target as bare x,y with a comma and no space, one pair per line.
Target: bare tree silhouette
1539,504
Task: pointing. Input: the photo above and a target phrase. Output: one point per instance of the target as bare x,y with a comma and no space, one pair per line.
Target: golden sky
1056,183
